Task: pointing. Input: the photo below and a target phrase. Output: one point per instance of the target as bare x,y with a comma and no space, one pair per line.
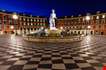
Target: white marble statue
52,20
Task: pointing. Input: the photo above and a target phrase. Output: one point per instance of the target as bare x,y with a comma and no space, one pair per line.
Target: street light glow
87,18
97,17
103,16
15,16
61,27
12,27
89,27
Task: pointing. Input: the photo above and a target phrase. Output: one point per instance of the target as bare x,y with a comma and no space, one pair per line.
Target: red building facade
90,24
24,24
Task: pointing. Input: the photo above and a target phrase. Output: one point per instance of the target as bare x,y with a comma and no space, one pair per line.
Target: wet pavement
17,54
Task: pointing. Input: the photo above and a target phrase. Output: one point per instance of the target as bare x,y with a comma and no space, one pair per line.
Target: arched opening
78,32
102,33
91,32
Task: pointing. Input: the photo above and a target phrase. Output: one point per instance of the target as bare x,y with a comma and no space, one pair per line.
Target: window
27,19
103,16
43,24
94,27
31,23
31,19
28,23
34,23
34,20
40,20
37,20
20,28
24,19
104,26
24,29
38,24
24,23
0,20
20,19
97,17
43,20
99,26
31,28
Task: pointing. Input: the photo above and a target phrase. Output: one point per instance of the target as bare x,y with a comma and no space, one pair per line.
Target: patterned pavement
17,54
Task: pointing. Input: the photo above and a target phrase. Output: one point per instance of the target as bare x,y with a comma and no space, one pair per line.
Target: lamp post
12,28
61,28
89,27
15,17
87,18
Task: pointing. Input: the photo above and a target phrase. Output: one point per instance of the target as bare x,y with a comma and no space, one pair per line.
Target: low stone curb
53,40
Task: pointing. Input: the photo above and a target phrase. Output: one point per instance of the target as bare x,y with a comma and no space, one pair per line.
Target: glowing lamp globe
15,16
87,18
89,26
12,27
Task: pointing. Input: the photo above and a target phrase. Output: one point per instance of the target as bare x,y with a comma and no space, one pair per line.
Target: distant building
90,24
24,24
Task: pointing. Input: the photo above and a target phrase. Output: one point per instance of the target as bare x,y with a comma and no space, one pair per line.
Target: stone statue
52,20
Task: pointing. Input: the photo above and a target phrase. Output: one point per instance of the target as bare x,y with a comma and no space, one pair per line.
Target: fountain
52,34
53,31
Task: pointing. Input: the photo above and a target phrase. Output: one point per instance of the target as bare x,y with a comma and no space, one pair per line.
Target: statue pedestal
53,32
53,28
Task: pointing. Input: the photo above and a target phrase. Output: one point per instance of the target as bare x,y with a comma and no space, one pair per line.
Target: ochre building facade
90,24
24,24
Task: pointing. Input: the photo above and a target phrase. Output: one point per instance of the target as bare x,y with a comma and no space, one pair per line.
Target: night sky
62,7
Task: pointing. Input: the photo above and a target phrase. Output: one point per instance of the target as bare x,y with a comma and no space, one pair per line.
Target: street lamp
61,28
12,27
103,16
89,27
87,18
15,17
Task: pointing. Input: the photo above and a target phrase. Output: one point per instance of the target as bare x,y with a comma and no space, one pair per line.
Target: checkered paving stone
55,56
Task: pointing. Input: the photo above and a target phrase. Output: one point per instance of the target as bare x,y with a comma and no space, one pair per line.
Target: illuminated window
43,24
74,26
34,20
83,19
103,16
31,23
34,23
27,19
31,28
37,20
24,19
104,26
99,26
0,21
28,23
20,19
38,24
31,19
97,17
44,20
24,23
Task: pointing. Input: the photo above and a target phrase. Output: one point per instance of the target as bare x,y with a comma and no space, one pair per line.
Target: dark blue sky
62,7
